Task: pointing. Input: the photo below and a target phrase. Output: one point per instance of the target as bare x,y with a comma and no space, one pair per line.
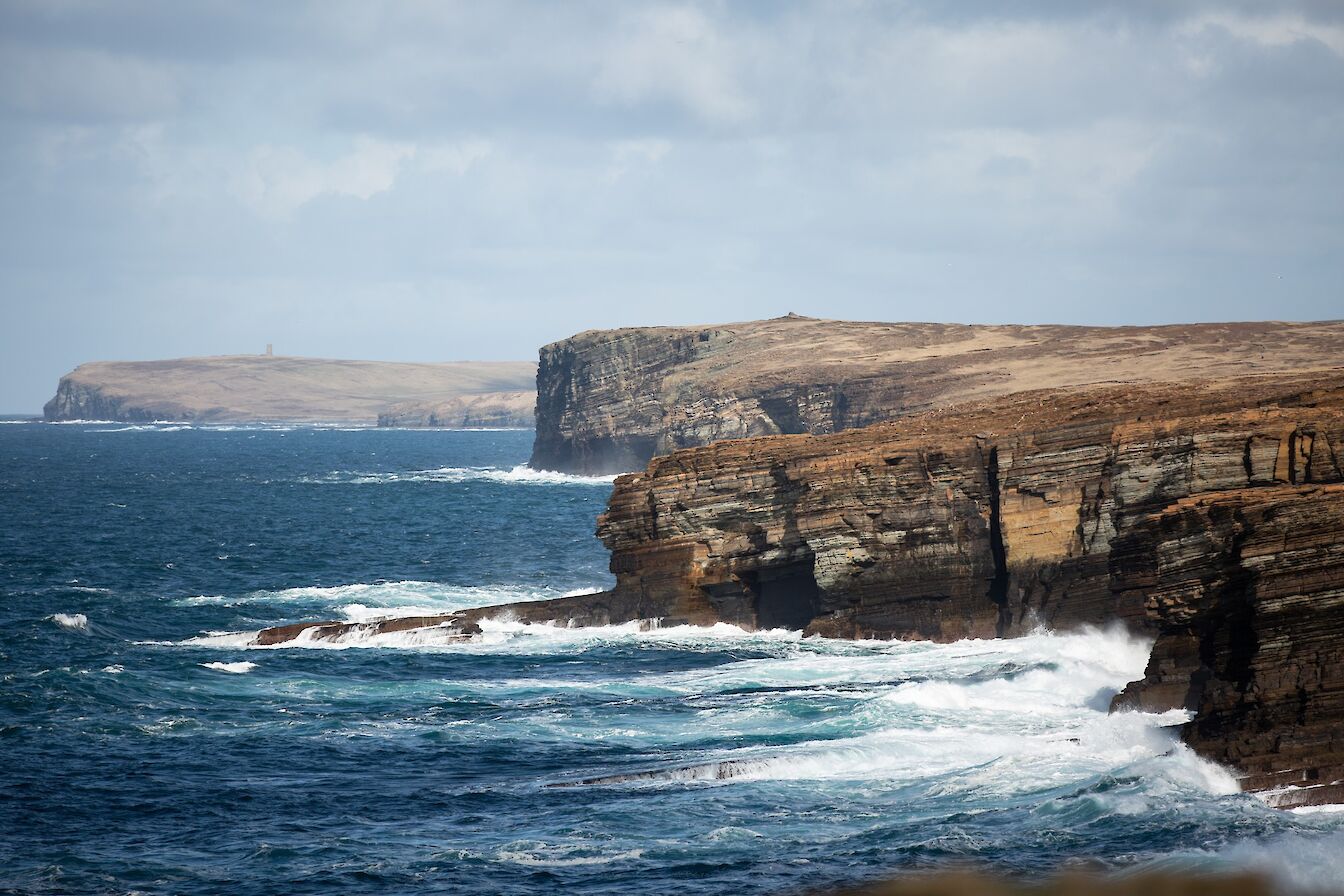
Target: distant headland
248,388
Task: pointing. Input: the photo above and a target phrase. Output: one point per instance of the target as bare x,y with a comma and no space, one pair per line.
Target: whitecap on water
233,668
71,620
544,856
382,600
519,475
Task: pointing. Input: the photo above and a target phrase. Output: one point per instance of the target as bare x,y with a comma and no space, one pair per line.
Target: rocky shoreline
1201,503
1209,515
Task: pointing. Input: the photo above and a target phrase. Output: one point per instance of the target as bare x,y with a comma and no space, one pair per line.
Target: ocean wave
541,855
518,475
360,602
76,621
232,668
963,729
502,636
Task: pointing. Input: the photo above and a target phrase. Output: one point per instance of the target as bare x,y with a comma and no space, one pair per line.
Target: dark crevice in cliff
782,409
1229,642
998,585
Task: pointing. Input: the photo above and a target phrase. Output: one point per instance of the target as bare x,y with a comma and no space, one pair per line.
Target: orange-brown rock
1248,589
1208,513
988,519
610,400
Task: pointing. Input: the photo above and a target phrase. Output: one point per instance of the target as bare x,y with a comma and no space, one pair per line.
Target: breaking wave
362,602
76,621
518,475
232,668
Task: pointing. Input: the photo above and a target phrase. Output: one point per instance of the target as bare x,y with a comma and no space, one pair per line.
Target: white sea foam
162,426
360,602
1300,862
519,475
233,668
79,422
986,719
1329,809
71,620
543,856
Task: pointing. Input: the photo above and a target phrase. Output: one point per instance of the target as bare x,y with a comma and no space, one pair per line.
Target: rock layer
1247,587
610,400
1210,514
489,409
243,388
984,520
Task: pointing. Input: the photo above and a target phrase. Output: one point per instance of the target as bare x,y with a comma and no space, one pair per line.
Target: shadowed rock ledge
610,400
1208,514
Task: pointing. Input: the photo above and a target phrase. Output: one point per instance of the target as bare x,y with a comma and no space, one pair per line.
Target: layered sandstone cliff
610,400
1210,514
242,388
1247,588
490,409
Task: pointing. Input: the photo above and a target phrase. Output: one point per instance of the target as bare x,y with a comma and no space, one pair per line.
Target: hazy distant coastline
251,388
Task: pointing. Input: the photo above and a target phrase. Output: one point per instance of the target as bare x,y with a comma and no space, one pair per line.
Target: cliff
489,409
1247,587
1210,514
610,400
243,388
986,520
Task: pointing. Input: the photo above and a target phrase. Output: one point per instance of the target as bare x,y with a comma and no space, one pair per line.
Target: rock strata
1247,588
245,388
610,400
1209,514
489,409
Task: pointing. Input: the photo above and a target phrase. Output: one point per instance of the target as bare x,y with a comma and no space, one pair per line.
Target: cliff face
489,409
255,387
610,400
1209,514
985,520
1247,588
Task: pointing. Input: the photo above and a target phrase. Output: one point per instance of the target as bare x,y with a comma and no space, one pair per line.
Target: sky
469,181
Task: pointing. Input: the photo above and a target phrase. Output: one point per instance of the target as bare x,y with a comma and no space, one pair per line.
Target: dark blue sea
145,748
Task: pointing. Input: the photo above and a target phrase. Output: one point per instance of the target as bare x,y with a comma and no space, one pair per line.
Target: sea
146,748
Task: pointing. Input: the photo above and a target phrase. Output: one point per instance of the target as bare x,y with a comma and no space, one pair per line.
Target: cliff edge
241,388
610,400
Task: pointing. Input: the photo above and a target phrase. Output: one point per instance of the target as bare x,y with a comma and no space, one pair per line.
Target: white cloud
455,158
627,154
676,54
1270,31
276,180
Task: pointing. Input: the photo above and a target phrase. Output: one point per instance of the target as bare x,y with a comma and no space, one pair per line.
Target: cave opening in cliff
786,596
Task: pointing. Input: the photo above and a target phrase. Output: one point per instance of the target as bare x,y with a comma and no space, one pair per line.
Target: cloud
478,179
1279,30
276,180
676,55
